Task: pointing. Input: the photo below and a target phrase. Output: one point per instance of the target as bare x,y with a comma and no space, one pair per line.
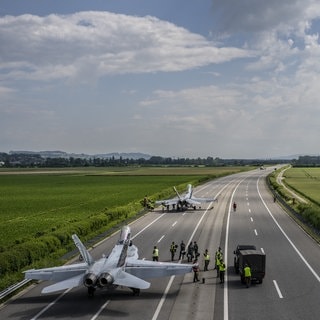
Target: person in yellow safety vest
218,266
155,254
222,269
206,260
218,256
173,249
247,275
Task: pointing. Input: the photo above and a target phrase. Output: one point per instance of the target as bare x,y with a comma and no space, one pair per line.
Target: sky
172,78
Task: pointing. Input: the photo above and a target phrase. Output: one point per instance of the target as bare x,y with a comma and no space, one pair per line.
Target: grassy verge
306,185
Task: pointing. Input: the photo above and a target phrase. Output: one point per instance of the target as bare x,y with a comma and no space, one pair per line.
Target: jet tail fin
82,249
176,191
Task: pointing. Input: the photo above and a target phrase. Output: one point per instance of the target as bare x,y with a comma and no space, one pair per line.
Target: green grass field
31,205
36,202
306,181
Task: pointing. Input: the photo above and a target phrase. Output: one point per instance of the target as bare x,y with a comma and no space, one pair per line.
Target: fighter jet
121,268
185,201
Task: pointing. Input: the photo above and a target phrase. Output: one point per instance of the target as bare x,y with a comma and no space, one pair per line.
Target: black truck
255,259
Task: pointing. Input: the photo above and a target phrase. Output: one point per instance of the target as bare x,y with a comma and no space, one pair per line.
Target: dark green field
31,205
36,202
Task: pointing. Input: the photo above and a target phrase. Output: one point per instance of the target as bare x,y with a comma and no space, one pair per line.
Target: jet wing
201,200
145,269
57,273
168,202
192,202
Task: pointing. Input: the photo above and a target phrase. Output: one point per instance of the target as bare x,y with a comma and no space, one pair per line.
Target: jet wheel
136,292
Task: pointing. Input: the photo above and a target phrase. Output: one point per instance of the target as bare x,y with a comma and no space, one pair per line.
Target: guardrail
13,288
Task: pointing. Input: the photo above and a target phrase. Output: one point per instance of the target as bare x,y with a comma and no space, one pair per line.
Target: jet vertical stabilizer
82,249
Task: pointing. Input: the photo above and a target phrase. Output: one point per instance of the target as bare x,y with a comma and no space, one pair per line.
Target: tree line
35,160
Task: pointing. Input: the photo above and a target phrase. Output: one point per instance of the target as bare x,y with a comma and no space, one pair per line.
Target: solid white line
286,236
277,288
146,227
225,291
163,298
100,310
50,305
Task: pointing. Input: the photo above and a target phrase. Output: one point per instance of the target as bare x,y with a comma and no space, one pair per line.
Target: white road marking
146,227
255,232
225,291
100,310
286,236
50,305
262,250
174,223
277,288
249,210
161,238
156,314
251,219
163,298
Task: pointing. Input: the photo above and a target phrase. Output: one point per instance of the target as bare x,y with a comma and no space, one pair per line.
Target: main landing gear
136,292
91,291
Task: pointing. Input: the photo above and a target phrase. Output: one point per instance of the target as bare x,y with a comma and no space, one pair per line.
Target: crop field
37,202
31,205
306,181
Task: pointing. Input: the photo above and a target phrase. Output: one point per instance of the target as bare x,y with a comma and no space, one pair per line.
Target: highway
290,290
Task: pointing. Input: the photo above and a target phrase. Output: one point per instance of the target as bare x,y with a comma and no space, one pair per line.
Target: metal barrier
13,288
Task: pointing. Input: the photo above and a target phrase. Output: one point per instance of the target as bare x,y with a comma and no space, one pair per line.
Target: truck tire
236,266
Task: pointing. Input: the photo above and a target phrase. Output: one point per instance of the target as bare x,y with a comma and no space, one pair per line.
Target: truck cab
237,252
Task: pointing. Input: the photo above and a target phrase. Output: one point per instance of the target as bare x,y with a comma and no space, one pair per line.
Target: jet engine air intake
90,280
105,279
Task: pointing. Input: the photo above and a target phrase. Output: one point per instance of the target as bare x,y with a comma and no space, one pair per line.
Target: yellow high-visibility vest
247,272
222,267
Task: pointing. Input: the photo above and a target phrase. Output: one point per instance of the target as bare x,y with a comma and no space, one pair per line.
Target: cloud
94,44
258,15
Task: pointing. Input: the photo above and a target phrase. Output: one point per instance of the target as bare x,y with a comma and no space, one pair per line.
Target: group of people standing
192,253
220,265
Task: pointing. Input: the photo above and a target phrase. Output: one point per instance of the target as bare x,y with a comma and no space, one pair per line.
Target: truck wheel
236,266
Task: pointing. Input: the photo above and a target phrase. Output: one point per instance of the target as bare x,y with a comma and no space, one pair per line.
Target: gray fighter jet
121,268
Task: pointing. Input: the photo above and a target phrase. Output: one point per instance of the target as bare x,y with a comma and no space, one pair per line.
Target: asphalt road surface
290,290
